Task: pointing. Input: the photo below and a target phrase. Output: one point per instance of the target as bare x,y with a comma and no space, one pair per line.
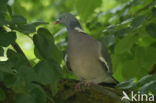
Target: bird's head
69,20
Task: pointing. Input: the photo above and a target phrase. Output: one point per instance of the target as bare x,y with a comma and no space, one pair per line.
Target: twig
105,91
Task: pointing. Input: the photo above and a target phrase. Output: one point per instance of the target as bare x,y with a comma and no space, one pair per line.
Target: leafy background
32,48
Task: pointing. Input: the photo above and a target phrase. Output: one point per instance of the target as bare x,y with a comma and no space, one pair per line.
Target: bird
86,57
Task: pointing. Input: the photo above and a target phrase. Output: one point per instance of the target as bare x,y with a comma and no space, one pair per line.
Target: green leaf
23,98
151,29
138,22
9,80
108,40
145,79
40,23
149,87
7,38
5,67
131,69
18,20
48,72
85,8
154,10
46,47
38,95
2,95
125,44
145,57
1,76
1,51
27,28
3,8
15,59
3,21
126,84
27,74
45,33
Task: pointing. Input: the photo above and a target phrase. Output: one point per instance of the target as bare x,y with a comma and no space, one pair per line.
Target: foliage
128,30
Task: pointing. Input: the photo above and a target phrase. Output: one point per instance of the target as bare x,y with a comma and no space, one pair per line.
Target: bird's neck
73,25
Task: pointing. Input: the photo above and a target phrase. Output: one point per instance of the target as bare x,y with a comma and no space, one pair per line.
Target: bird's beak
57,21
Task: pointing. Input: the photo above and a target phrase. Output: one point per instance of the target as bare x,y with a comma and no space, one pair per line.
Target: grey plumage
88,58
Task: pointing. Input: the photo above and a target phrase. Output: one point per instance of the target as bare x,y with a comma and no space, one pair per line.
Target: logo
137,96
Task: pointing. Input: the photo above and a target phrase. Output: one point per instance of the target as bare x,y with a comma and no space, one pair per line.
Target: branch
94,94
108,92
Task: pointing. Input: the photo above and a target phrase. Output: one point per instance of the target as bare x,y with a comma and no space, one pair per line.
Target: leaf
27,74
7,38
126,84
27,28
85,8
46,47
131,69
138,22
145,57
3,8
39,23
108,40
15,59
149,87
154,10
2,95
9,80
1,51
145,79
151,29
125,44
44,32
5,67
18,20
38,95
3,21
23,98
48,72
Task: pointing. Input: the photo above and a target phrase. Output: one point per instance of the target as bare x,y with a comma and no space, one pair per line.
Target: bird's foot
88,84
78,86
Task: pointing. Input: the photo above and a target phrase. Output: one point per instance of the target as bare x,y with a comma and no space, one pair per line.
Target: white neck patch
78,29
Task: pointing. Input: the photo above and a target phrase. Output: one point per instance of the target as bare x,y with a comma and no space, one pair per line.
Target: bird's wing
67,62
105,58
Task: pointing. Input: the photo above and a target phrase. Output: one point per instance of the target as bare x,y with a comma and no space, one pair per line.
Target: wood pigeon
87,58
